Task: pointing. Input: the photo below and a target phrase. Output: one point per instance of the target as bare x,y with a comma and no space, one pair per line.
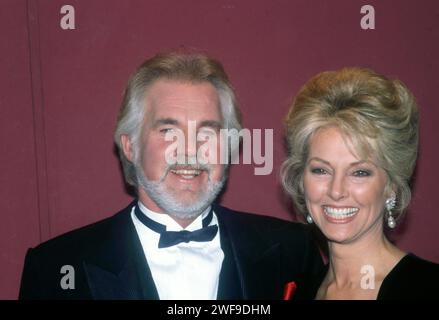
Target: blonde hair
179,66
378,115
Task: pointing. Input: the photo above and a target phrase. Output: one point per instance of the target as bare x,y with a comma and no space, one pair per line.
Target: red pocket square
290,288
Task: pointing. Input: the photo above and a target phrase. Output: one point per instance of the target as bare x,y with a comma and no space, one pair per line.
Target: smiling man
186,188
173,241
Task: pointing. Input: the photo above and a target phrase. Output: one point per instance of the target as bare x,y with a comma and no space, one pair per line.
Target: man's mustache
188,163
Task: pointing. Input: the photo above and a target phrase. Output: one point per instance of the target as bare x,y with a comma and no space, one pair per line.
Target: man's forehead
167,98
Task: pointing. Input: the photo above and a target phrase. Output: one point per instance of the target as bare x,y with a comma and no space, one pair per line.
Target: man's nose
191,143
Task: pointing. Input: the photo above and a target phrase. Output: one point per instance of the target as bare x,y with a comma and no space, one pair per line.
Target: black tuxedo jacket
262,254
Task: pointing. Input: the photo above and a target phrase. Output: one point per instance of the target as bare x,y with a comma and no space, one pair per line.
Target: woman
353,139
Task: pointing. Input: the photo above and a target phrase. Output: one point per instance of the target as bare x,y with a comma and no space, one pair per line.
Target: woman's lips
340,214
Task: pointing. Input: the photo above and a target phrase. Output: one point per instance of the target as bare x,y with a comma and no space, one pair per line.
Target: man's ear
127,146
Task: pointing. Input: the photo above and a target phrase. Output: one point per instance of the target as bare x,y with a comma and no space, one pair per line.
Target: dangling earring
309,219
390,205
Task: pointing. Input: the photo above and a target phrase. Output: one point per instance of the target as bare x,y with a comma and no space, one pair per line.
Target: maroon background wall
61,91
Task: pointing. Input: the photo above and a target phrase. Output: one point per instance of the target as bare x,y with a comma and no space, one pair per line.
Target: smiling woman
353,140
344,194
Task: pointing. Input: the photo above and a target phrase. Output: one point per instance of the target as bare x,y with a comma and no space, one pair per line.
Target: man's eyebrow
170,121
211,123
164,121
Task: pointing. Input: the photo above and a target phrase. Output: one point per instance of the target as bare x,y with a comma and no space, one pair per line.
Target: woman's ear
390,190
127,146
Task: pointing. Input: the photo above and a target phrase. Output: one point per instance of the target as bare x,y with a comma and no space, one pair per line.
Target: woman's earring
390,205
309,219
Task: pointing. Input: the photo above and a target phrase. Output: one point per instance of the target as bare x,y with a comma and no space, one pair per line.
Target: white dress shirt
186,270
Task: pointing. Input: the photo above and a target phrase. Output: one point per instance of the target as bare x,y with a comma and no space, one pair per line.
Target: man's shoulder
83,239
260,223
257,235
254,218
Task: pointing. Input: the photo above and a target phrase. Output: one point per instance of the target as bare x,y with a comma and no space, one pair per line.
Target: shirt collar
171,224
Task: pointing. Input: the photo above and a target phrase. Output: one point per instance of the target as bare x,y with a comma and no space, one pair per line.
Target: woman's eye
318,171
362,173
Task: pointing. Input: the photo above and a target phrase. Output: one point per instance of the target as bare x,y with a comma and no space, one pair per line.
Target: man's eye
166,130
362,173
319,171
206,133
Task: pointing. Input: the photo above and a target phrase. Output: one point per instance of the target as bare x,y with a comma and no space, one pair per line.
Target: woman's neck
373,257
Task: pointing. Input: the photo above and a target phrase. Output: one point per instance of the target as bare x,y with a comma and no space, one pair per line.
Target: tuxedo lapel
230,286
258,263
261,273
118,268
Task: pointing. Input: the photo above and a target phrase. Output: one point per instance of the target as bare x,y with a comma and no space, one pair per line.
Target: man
173,242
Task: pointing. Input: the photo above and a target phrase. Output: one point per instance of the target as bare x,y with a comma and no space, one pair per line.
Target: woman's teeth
340,213
187,173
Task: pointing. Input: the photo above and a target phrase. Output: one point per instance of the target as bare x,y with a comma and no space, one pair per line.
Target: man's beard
169,202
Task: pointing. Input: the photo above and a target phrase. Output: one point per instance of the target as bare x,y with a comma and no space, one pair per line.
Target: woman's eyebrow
352,164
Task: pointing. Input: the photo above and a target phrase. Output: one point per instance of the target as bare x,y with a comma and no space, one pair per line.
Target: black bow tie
171,238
